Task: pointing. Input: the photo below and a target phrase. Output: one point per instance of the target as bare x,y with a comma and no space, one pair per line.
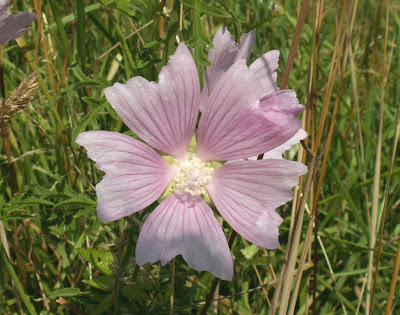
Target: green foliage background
68,262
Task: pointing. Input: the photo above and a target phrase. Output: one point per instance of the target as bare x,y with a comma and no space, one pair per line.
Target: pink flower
236,123
12,26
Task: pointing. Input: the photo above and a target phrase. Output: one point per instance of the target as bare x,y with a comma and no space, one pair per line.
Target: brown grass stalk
295,241
332,75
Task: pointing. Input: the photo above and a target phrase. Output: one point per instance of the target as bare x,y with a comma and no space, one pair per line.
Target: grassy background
345,70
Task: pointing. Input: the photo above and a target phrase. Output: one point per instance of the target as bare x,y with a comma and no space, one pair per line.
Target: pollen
193,176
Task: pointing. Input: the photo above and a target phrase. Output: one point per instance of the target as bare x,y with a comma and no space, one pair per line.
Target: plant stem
124,45
171,309
13,275
295,43
214,284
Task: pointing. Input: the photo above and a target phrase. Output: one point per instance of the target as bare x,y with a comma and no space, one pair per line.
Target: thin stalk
304,253
332,75
285,79
210,296
80,16
171,300
22,44
273,282
394,148
393,284
11,167
214,284
118,269
6,136
295,240
13,275
295,43
124,45
294,246
126,37
377,177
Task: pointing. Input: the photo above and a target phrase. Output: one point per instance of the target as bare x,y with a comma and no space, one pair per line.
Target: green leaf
144,283
70,89
85,211
101,81
20,217
206,8
132,292
262,261
198,41
86,120
93,101
111,111
250,251
79,74
80,21
104,305
356,211
104,283
64,257
125,6
35,200
66,292
100,259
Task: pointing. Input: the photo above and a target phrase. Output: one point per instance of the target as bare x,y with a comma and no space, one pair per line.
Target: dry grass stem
294,241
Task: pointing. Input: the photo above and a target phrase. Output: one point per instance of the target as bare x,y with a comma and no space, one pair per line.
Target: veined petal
12,26
185,224
164,114
234,125
135,174
246,194
224,54
277,152
264,69
284,101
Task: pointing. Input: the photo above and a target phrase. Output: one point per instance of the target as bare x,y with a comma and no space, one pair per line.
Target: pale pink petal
284,101
12,26
185,224
164,114
277,152
234,125
264,69
136,175
246,45
224,54
246,194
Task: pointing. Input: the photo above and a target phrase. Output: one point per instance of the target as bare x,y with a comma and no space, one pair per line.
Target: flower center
193,176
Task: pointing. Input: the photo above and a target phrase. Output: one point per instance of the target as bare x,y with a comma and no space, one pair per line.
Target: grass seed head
17,101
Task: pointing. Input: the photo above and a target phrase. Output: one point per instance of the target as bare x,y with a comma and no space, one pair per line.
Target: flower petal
224,54
185,224
264,69
277,152
135,174
284,101
164,114
246,194
12,26
234,125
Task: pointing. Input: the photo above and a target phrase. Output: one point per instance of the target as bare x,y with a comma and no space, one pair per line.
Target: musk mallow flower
12,26
186,166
